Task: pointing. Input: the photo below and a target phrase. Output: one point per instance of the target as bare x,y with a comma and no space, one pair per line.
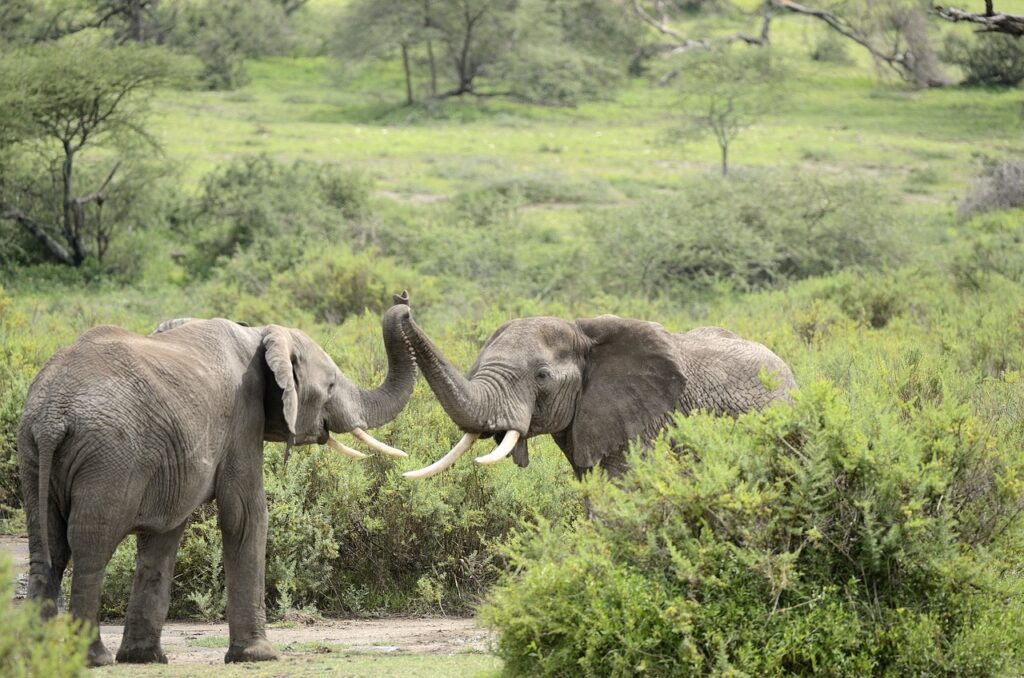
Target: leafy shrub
989,245
830,48
749,233
881,540
999,186
272,211
30,647
552,186
224,33
326,285
992,59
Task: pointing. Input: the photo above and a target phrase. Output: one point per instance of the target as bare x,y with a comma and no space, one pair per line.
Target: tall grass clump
880,537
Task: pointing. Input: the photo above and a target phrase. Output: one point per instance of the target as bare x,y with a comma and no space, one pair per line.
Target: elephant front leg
243,523
151,594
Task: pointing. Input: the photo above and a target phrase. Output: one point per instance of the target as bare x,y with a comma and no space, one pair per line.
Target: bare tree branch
1010,24
54,247
684,44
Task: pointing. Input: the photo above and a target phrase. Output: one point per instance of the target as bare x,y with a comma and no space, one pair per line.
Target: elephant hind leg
44,582
151,594
92,545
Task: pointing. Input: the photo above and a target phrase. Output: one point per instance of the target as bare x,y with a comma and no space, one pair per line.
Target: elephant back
730,375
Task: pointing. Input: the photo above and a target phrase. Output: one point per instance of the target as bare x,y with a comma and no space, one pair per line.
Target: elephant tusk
502,450
377,445
341,448
447,460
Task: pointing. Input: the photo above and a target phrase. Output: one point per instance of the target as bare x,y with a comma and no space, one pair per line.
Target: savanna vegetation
298,162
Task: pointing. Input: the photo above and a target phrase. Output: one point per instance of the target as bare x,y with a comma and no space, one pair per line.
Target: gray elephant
594,384
129,434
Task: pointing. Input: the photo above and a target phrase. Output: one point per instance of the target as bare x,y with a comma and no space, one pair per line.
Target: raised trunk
382,404
461,398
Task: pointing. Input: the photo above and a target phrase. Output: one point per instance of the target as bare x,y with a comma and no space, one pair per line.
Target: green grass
835,119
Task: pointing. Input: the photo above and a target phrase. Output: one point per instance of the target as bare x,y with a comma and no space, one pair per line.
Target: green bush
748,233
273,213
992,59
882,539
30,647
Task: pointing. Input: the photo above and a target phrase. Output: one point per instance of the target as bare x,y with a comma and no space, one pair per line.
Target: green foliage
853,538
988,59
30,647
722,92
60,99
264,215
543,51
754,232
222,34
831,48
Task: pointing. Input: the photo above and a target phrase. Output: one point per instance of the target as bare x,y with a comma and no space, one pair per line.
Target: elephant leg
242,508
44,582
151,594
91,547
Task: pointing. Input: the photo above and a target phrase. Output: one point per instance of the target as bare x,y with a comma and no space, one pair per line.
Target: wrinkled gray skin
598,383
129,434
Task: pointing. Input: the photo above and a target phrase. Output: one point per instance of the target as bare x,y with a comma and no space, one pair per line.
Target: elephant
123,433
595,385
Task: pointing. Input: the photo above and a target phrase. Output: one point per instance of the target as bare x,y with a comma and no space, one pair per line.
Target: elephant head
306,396
594,384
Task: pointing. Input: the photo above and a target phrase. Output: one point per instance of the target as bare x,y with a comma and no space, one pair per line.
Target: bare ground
198,643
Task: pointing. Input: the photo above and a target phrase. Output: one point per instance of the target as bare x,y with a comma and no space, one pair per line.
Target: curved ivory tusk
502,450
447,460
375,444
341,448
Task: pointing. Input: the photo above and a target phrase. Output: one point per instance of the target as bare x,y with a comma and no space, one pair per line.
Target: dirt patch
205,643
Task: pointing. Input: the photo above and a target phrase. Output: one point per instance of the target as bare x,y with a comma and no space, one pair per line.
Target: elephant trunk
382,404
462,399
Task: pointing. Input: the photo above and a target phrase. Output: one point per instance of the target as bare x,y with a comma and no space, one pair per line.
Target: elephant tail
45,450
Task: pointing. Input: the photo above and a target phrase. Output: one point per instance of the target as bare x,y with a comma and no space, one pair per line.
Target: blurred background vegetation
297,162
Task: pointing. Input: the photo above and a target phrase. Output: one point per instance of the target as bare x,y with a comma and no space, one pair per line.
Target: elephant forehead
535,334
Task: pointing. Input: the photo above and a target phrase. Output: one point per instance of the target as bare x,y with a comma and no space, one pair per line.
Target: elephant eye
543,374
330,388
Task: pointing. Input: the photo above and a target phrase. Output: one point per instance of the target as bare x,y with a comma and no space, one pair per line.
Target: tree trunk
72,234
135,21
433,68
725,159
408,75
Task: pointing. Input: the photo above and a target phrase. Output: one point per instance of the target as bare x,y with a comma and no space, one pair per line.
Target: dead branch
1010,24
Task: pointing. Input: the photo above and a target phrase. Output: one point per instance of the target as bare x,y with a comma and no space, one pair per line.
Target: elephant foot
99,655
141,654
256,650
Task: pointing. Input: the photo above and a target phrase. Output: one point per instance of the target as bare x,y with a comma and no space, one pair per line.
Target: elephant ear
631,381
278,352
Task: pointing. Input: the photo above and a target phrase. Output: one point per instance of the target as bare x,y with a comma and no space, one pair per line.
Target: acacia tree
723,91
894,32
58,100
375,28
